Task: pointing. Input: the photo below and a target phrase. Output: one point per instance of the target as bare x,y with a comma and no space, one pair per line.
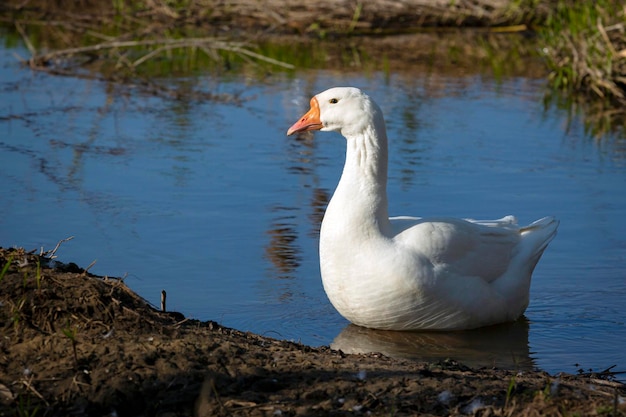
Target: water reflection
282,250
412,146
503,346
319,200
301,151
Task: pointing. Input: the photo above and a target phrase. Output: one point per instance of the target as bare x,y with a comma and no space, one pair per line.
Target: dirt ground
76,344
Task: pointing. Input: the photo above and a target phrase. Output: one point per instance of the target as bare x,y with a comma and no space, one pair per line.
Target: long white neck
360,199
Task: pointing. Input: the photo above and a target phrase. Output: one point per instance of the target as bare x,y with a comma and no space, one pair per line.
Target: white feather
408,273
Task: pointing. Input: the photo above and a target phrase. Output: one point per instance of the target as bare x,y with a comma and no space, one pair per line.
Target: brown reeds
583,44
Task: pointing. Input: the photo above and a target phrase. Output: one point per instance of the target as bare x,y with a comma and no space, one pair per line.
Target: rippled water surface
213,203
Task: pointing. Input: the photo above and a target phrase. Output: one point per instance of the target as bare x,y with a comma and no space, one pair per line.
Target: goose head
346,110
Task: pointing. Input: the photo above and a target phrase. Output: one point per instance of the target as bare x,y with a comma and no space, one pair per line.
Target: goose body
410,273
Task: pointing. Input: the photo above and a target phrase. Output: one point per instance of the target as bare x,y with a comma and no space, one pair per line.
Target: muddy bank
117,41
77,344
297,17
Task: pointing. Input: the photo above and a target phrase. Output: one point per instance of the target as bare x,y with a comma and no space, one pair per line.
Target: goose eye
333,101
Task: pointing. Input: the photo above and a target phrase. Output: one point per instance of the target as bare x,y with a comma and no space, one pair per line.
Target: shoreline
128,43
73,342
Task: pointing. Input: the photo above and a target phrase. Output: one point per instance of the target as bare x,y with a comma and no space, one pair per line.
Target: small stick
28,385
165,44
163,297
29,45
89,266
53,251
605,37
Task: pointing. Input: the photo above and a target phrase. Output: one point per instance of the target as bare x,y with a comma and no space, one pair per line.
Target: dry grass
583,43
585,47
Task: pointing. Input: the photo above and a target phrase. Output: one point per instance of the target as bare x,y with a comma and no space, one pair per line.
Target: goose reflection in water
282,249
502,346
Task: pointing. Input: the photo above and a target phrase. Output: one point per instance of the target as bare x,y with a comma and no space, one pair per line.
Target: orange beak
310,121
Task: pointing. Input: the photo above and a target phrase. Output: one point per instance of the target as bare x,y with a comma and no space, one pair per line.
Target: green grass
70,333
25,408
578,41
5,268
584,47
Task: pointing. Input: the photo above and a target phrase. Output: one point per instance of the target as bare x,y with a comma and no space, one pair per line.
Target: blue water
214,204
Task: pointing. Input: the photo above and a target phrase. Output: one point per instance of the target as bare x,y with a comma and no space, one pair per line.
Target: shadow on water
282,249
503,346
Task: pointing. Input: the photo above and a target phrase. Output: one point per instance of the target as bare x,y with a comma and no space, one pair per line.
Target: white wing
462,247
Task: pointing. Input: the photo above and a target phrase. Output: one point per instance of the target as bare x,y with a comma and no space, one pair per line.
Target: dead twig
262,57
51,254
27,41
165,44
28,384
89,266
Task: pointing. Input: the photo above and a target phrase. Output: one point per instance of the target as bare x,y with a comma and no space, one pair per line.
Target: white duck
410,273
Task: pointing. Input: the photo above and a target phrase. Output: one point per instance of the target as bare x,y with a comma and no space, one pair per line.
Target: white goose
410,273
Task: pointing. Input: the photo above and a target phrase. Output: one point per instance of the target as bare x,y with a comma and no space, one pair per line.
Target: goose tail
536,237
